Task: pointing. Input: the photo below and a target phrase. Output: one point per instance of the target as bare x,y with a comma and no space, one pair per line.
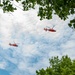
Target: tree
63,66
62,8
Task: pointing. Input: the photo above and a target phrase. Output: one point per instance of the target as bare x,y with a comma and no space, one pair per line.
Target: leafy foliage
27,4
63,66
72,23
7,6
18,0
62,8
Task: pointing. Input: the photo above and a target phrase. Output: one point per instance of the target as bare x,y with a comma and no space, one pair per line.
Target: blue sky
35,46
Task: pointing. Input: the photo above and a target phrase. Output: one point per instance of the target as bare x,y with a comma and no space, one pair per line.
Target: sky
35,46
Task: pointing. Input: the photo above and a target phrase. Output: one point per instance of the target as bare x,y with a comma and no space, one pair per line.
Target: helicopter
15,45
50,29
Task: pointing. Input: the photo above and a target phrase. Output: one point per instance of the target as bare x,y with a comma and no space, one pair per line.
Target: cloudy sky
35,46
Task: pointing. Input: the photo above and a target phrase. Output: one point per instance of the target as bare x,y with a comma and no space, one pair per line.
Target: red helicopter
50,29
15,45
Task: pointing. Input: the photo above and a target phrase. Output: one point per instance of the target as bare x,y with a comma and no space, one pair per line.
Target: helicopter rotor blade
53,26
47,27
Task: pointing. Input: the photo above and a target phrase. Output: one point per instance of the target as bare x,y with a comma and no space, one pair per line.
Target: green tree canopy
62,8
63,66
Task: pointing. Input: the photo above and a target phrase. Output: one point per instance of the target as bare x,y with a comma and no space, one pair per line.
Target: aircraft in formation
14,44
49,29
46,29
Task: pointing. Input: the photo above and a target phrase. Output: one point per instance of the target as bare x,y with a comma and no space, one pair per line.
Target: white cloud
29,50
3,65
69,44
22,66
